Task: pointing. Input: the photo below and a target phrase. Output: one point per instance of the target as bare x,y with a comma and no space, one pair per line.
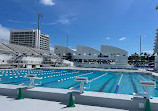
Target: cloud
65,20
4,33
149,51
47,2
16,21
122,38
108,38
51,49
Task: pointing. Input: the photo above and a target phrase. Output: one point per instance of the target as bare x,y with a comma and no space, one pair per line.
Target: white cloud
47,2
108,38
122,38
149,51
51,49
4,33
64,21
16,21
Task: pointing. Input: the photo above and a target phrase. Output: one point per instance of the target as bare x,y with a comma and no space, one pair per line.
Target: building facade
30,38
83,56
156,50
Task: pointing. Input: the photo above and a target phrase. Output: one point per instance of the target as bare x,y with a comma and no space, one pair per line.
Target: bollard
71,101
20,96
147,106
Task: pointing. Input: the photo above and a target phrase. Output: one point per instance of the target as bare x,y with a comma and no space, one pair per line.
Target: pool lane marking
117,87
74,76
138,82
15,82
111,89
142,77
97,77
60,80
24,80
60,74
105,84
48,75
90,80
76,83
133,85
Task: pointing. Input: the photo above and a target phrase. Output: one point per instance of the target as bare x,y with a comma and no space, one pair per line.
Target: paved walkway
10,104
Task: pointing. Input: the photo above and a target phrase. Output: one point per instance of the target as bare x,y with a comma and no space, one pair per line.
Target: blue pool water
109,82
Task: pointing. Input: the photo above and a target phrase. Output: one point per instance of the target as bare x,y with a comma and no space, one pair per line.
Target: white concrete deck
10,104
99,69
67,91
88,98
96,69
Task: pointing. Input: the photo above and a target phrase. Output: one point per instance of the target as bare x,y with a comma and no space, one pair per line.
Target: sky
89,23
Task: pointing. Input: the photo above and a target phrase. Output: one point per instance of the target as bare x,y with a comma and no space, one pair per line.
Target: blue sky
87,22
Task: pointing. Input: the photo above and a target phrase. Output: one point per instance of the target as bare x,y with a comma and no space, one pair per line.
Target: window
106,56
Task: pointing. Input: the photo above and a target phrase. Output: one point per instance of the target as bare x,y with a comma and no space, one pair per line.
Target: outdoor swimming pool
109,82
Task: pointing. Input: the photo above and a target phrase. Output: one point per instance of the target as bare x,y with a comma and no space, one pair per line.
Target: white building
30,38
107,57
156,50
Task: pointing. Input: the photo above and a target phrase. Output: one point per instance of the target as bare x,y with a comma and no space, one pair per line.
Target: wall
119,56
60,50
156,62
32,60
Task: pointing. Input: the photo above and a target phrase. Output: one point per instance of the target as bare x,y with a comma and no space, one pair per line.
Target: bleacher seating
40,51
3,48
21,49
44,53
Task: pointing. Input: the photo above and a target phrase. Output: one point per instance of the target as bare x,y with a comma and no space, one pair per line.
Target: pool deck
10,104
88,98
99,69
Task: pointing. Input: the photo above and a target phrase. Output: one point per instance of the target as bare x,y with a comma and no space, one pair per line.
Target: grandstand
18,55
5,49
20,49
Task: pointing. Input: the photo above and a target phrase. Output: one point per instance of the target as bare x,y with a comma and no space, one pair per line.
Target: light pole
140,46
39,15
66,44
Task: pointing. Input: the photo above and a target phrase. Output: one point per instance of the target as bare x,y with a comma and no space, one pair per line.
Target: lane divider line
90,80
117,87
142,77
59,80
97,77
